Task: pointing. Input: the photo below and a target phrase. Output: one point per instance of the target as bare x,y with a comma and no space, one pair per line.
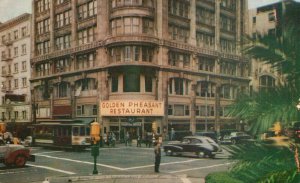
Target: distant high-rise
177,63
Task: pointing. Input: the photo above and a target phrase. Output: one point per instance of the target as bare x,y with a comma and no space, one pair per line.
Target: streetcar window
82,131
59,131
65,132
75,131
69,132
87,131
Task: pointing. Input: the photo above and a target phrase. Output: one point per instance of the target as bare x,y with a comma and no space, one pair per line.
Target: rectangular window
16,67
170,110
179,110
95,111
24,31
271,16
148,83
16,51
186,110
16,83
78,111
24,66
24,49
131,82
24,82
24,114
16,34
114,83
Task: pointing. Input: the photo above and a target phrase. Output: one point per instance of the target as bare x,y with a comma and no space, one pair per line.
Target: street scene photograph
149,91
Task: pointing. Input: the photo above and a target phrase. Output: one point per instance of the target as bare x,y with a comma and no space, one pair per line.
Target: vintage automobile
211,134
14,155
237,137
200,146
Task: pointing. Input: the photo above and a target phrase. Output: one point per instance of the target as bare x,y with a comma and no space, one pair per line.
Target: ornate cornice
15,21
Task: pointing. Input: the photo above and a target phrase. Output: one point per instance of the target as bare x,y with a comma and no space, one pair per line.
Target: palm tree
281,50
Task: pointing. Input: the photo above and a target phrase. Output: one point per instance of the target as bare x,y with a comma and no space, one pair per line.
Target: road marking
170,163
212,166
10,172
49,152
185,180
53,169
78,161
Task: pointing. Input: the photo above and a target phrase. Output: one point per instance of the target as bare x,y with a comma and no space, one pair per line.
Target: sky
12,8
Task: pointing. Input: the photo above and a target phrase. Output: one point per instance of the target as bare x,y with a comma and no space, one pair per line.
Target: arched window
203,87
62,90
228,92
266,82
178,86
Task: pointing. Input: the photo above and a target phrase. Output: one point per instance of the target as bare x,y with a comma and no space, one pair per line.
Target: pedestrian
139,143
126,139
157,152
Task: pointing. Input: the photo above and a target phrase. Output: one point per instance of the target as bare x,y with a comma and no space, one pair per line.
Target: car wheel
169,153
20,161
201,154
233,141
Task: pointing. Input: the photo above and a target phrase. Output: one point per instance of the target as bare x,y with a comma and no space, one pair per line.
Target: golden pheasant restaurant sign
132,108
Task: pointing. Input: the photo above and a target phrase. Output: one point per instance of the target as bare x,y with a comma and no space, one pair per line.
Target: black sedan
198,145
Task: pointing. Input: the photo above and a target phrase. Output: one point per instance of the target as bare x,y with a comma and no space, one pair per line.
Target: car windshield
186,141
210,140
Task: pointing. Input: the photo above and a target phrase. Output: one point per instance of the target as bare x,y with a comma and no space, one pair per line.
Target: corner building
181,55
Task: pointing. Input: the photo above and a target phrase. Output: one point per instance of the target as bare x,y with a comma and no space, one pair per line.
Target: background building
182,54
263,21
15,100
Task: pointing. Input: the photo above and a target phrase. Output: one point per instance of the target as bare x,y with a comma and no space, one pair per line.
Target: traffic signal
95,132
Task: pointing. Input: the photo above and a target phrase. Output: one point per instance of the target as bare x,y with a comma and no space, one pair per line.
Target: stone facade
262,21
15,98
184,53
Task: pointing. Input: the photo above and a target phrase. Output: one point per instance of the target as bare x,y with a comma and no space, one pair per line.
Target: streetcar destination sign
132,108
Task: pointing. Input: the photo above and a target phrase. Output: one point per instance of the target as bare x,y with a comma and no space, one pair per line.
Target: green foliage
261,163
265,108
219,177
281,50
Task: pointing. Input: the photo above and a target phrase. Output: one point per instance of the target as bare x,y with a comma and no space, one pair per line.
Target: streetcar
62,135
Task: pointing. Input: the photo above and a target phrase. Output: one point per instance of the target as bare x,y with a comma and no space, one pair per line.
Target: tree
281,50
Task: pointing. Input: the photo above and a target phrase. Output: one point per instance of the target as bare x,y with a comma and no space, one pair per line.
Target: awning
75,121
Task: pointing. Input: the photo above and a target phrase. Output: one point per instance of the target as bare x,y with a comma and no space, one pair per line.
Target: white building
15,100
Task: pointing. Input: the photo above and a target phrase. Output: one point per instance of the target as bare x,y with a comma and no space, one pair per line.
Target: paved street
120,160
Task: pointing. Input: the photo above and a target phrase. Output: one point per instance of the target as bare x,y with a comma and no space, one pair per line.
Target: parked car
212,135
198,145
237,137
14,155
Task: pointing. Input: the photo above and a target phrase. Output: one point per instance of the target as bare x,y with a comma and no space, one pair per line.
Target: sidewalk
151,178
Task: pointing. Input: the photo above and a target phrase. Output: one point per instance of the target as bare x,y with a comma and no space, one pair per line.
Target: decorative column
217,108
193,127
193,24
217,24
74,23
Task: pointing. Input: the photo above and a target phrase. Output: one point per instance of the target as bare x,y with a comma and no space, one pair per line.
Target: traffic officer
157,152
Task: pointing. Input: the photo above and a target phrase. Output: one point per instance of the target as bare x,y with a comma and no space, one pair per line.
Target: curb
91,178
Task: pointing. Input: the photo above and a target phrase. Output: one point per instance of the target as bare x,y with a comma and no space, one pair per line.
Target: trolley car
63,135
